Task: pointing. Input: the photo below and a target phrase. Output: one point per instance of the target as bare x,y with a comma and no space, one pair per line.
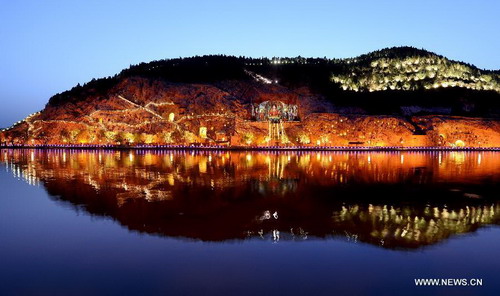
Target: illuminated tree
111,137
247,138
65,136
73,136
125,138
167,137
189,137
304,139
139,138
83,137
147,138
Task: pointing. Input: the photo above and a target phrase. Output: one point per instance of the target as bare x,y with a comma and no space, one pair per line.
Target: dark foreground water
205,223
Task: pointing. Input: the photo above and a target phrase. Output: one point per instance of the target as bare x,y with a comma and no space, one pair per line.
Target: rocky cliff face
140,110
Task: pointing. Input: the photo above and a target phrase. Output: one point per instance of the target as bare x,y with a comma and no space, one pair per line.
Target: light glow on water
325,219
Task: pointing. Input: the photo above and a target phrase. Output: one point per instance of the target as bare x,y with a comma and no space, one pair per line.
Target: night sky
47,47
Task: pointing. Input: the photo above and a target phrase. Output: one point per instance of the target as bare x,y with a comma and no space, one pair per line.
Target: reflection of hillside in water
396,200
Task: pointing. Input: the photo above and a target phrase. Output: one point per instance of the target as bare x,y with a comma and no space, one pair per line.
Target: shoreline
248,148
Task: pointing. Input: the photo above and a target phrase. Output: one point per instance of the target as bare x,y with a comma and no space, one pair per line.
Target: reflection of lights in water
202,166
265,216
303,233
276,235
458,157
249,157
150,167
402,159
406,225
170,179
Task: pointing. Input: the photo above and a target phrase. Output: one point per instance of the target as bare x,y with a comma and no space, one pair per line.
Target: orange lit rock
139,110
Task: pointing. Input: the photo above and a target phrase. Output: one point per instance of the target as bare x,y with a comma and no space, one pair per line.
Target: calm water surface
242,223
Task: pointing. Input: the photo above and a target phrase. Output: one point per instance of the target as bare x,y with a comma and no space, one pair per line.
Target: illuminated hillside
411,69
392,69
392,97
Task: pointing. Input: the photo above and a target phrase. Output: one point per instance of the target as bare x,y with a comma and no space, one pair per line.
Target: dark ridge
196,69
189,70
95,87
400,52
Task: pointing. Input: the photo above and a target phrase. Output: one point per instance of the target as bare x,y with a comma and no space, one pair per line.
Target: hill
393,77
388,97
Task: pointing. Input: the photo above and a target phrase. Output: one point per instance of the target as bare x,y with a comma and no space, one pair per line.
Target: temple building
276,112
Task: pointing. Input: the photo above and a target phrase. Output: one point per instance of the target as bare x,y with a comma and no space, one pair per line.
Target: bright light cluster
414,73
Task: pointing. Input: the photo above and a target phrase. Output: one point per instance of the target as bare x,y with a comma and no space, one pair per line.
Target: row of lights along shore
257,148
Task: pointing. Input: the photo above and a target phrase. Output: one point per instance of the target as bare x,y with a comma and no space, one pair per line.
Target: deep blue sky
47,47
